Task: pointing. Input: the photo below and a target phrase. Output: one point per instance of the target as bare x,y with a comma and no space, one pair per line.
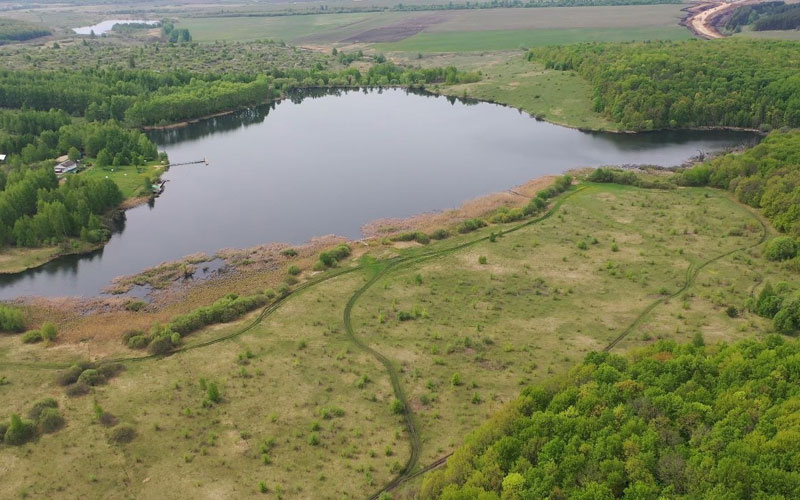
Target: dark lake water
330,164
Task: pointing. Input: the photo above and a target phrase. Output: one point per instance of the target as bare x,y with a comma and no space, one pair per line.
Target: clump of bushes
289,252
781,248
440,234
11,319
332,257
505,214
417,236
78,378
43,417
294,270
539,203
470,225
47,332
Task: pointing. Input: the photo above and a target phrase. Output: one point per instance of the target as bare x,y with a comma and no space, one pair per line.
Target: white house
65,167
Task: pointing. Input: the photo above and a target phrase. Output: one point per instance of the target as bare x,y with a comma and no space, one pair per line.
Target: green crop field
473,41
307,408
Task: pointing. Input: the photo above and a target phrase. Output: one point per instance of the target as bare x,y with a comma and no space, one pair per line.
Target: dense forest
668,422
144,97
765,17
12,30
653,85
766,177
35,209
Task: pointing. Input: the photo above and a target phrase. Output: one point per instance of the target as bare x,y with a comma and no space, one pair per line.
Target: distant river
333,162
106,26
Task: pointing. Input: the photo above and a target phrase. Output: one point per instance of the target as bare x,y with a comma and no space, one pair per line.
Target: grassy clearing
129,178
472,41
464,331
560,97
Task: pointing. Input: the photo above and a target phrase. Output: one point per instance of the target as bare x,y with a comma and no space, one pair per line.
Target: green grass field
308,411
772,35
472,41
129,178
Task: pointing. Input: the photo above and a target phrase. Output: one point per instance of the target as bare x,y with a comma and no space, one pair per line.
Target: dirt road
701,22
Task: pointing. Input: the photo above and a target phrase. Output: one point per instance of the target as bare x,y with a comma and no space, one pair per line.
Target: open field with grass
560,97
469,41
129,178
511,27
771,35
307,401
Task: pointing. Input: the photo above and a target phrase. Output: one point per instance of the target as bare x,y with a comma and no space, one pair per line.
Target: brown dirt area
398,31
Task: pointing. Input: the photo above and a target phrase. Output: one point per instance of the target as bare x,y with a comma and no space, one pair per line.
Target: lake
106,26
323,163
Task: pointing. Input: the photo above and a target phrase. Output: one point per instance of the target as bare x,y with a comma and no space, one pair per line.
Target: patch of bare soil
399,31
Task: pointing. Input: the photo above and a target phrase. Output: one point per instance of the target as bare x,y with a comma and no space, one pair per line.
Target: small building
2,158
66,167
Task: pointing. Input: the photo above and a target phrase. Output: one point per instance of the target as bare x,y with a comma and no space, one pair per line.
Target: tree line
667,422
653,85
765,17
12,30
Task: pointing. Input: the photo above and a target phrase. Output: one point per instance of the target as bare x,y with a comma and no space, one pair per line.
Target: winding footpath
384,268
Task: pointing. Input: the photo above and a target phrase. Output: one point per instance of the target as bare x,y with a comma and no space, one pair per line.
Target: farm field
306,412
468,41
514,26
771,35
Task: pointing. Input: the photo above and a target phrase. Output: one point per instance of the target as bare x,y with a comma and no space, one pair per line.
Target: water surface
106,26
332,163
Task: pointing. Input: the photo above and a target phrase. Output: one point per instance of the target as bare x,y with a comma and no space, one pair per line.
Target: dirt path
703,17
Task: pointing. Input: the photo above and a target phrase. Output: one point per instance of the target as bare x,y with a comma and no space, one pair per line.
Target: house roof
2,157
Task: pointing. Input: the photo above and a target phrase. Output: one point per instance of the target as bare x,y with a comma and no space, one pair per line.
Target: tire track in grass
691,276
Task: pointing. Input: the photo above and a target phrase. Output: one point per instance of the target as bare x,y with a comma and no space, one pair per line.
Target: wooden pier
197,162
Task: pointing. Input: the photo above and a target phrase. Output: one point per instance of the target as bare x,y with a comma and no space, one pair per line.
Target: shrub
212,393
50,420
71,374
78,389
405,316
11,319
483,260
582,245
440,234
160,345
40,406
135,305
32,336
138,341
470,225
129,334
313,439
332,257
122,434
397,407
289,252
110,370
49,331
19,431
781,248
294,270
455,380
91,377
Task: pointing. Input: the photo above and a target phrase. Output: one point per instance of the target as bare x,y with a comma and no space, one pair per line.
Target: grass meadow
305,413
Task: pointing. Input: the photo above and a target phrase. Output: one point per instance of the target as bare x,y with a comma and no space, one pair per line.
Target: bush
397,407
11,319
40,406
781,248
455,380
32,336
50,420
332,257
294,270
470,225
70,375
122,434
49,331
160,345
483,260
405,316
138,341
289,252
91,377
110,370
135,305
440,234
78,389
212,393
19,431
